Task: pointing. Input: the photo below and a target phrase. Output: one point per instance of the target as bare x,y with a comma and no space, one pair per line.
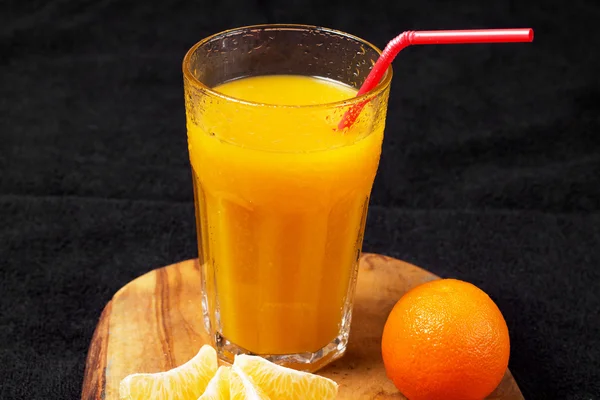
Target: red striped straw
430,37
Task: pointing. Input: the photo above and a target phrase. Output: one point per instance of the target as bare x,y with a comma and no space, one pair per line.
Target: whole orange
445,339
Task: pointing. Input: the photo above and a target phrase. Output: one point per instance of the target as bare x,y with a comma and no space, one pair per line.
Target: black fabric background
490,169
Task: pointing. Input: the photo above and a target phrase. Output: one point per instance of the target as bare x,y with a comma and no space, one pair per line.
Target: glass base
309,362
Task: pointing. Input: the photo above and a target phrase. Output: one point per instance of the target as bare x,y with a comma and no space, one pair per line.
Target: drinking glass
280,222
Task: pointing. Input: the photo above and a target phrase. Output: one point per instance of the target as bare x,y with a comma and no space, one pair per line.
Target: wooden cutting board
154,324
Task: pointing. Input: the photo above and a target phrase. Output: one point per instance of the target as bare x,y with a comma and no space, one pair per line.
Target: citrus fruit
284,383
241,387
445,339
218,387
187,381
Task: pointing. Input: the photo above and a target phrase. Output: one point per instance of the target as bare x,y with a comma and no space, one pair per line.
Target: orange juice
281,202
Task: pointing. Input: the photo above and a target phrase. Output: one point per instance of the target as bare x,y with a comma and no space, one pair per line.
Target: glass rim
376,91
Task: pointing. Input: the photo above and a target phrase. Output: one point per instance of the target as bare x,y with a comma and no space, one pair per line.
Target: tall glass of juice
281,193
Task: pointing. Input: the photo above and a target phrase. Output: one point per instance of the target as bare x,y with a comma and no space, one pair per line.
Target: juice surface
281,201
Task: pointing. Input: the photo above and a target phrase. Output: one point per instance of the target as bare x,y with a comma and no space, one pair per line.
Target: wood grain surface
154,324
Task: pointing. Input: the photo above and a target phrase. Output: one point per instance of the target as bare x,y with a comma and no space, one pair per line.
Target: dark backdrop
490,169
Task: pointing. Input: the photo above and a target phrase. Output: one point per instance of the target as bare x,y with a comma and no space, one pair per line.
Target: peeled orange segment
218,387
186,382
284,383
241,387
